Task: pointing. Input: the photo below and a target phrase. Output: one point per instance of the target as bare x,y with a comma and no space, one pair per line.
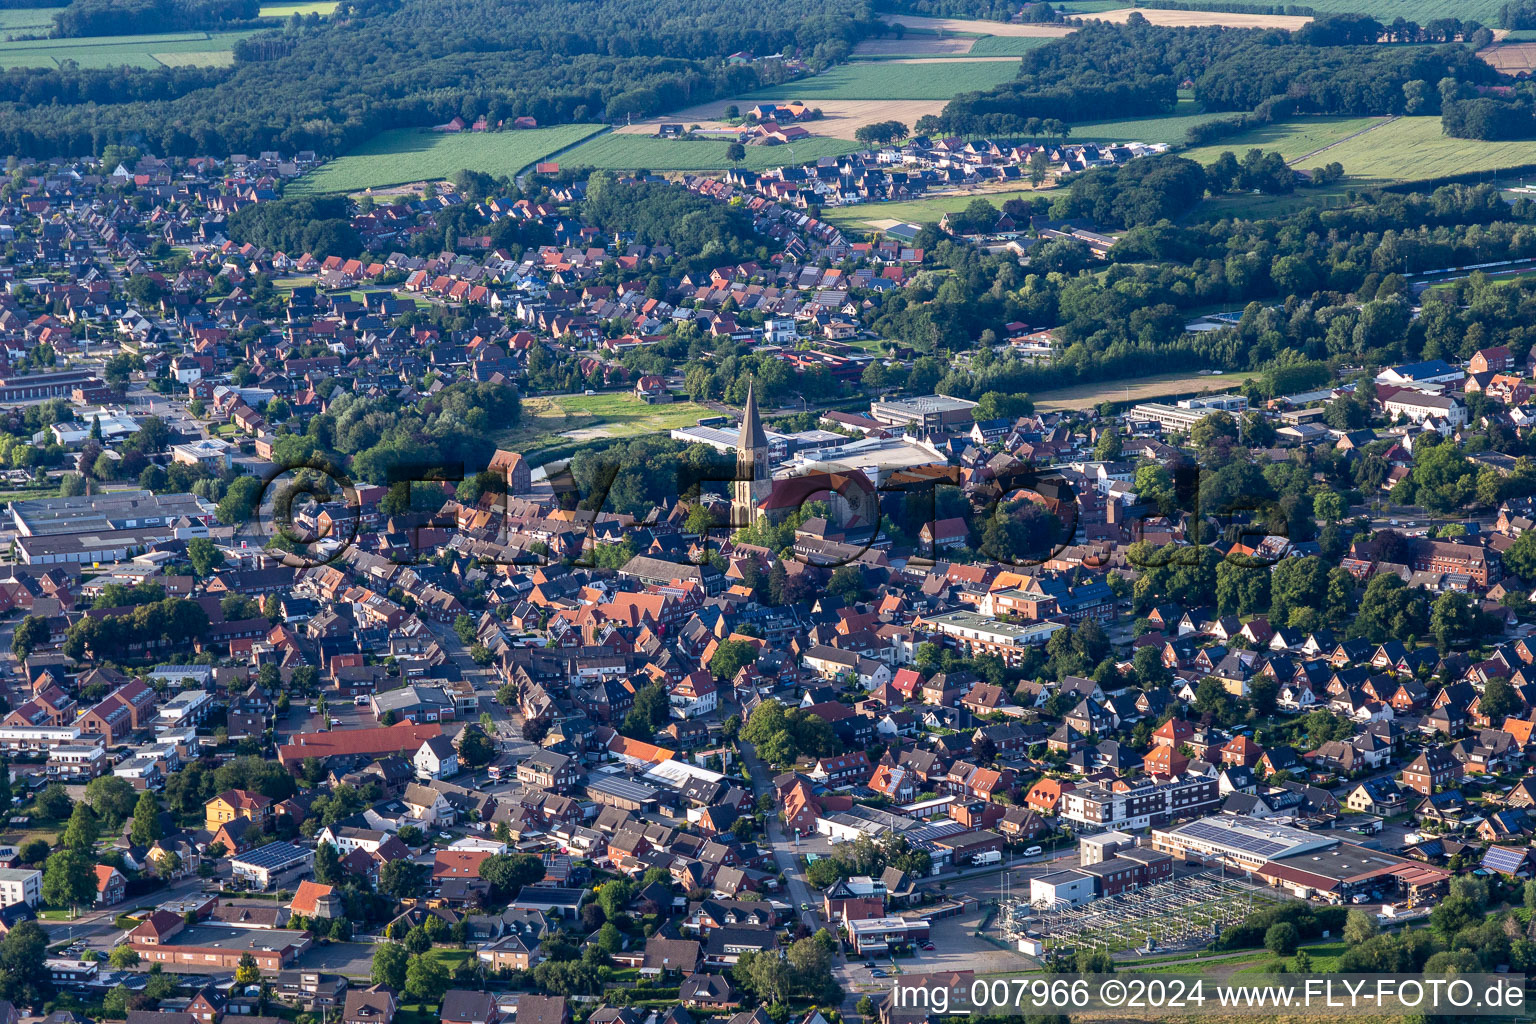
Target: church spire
752,436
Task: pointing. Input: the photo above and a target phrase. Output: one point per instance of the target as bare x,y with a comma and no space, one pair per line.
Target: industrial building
1236,841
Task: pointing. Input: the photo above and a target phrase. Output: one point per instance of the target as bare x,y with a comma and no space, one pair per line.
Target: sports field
1291,139
627,152
1413,148
143,51
883,80
593,417
419,154
1139,389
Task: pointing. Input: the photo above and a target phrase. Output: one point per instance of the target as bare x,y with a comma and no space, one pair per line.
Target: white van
1033,851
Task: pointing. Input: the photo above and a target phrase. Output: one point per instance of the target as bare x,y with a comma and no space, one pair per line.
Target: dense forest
378,64
144,17
1135,68
322,226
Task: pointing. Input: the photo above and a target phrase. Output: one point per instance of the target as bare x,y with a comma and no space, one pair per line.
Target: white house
436,759
694,695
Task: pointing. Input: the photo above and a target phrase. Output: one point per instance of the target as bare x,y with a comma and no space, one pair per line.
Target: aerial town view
853,512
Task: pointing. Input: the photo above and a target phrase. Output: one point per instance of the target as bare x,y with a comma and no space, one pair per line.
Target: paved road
799,890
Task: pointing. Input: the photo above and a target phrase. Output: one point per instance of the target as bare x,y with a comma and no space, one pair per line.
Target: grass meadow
614,151
419,154
141,51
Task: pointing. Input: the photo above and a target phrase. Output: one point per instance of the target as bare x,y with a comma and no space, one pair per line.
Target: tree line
143,17
379,64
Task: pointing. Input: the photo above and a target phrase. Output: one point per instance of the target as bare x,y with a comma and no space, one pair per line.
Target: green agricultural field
287,10
1170,128
1414,148
1421,11
623,152
419,154
1006,46
1291,139
548,421
1090,6
27,20
143,51
885,80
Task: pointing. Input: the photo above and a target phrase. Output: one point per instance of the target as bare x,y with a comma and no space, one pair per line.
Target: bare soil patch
1510,58
1186,19
841,118
984,28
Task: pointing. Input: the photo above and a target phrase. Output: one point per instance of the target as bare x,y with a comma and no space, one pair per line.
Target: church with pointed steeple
754,479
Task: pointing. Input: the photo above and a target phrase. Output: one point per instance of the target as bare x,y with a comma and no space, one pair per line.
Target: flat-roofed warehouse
102,547
1236,840
1345,869
626,794
102,513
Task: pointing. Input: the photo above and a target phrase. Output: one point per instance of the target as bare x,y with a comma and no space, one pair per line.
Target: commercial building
1236,841
99,548
1345,869
976,634
273,862
1145,803
33,387
106,513
165,938
1181,417
929,414
877,935
213,452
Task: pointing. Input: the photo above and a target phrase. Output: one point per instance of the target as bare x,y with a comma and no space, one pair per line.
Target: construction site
1184,913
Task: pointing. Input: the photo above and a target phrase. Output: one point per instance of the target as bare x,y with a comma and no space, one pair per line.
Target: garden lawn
420,154
614,151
